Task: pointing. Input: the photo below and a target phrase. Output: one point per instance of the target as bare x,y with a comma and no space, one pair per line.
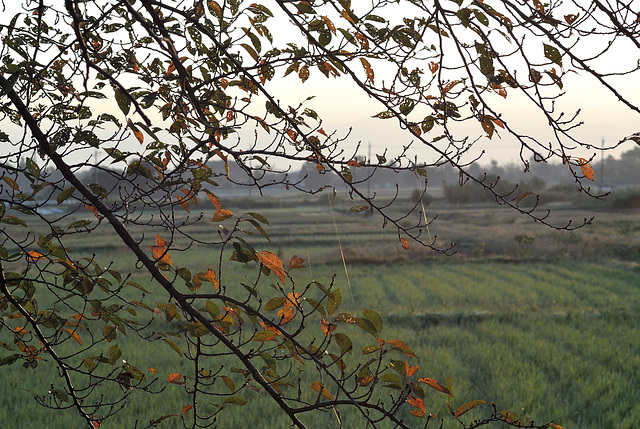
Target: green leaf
344,342
124,103
235,400
374,318
552,53
468,406
62,196
250,50
384,115
173,345
274,303
114,354
259,217
370,349
359,208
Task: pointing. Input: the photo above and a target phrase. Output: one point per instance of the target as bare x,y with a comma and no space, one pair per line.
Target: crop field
542,322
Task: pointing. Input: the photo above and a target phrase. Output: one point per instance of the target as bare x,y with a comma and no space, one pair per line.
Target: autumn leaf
554,426
405,243
296,262
74,335
93,210
433,67
587,170
160,253
175,378
434,385
468,406
210,275
221,215
272,262
34,256
160,241
20,330
286,314
410,370
214,199
136,132
319,387
368,69
402,347
186,408
353,163
152,371
327,327
270,328
417,403
172,66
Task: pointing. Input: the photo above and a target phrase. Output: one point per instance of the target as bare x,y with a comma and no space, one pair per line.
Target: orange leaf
416,412
320,168
214,199
20,330
211,276
161,254
368,69
296,262
74,335
172,66
175,378
417,403
554,426
272,262
186,408
292,135
468,406
435,385
34,256
136,132
587,170
433,67
152,370
353,163
327,327
221,215
410,369
160,241
270,328
286,314
184,203
319,387
191,195
449,86
405,243
322,131
401,346
93,210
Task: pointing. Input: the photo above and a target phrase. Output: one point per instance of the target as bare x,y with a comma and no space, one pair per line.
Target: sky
343,107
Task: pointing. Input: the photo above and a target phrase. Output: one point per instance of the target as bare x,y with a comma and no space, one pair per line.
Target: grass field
548,326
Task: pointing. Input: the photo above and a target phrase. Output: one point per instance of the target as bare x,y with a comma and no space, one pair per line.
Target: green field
547,327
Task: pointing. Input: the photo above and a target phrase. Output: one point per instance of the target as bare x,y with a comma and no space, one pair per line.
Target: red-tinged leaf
136,132
449,86
571,18
210,275
175,378
93,210
272,262
433,67
230,115
330,25
368,69
496,121
303,73
322,131
416,412
410,370
270,328
214,199
296,262
186,408
353,163
434,385
190,195
468,406
327,327
292,135
488,127
402,347
319,387
152,371
405,243
587,169
74,335
221,215
160,254
34,256
172,66
416,403
320,168
184,203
